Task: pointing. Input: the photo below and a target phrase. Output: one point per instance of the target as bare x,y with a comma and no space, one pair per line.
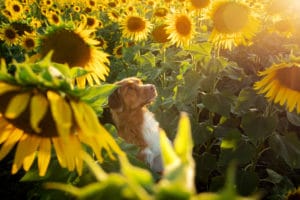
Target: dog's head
131,94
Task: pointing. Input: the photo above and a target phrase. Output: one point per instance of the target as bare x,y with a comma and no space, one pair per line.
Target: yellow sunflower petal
85,117
13,138
44,156
17,105
38,109
26,148
5,87
59,151
61,113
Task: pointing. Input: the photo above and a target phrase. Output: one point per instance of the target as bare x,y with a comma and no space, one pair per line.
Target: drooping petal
25,152
61,113
17,105
44,156
5,87
38,109
13,138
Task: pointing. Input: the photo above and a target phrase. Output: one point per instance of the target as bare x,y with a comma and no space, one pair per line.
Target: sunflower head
180,28
38,108
280,84
199,4
160,35
234,23
75,48
9,35
135,27
293,194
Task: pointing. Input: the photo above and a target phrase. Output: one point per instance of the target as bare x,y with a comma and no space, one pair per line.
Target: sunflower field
227,73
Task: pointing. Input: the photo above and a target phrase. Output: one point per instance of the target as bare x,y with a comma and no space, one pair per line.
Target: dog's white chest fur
150,132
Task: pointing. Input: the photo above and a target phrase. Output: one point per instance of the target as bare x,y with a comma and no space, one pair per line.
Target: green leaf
205,164
258,127
24,75
247,182
77,72
217,103
288,147
294,118
97,96
243,154
136,174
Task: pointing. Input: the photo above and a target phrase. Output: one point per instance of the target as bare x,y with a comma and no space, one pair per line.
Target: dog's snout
152,87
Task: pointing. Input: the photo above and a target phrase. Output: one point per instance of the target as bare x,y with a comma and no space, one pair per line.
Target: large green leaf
218,103
258,127
288,147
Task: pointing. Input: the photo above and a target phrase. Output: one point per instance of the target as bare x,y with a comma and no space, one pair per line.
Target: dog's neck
129,124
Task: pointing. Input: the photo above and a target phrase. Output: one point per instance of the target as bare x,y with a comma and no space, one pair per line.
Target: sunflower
28,41
9,35
180,28
77,49
161,12
53,18
117,51
160,35
199,4
293,194
135,27
15,8
280,84
36,119
284,27
234,23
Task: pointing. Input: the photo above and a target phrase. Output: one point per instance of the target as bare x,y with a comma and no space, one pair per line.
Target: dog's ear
114,101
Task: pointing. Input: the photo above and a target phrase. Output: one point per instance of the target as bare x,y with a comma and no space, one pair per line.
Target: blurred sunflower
293,194
28,41
284,27
135,27
160,12
53,18
34,119
180,28
15,8
117,51
199,4
160,35
77,49
9,35
234,23
280,84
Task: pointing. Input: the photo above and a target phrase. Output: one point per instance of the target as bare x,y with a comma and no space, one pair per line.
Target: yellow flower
284,27
293,194
180,28
9,35
15,8
234,23
199,4
53,18
280,84
117,51
34,120
135,27
77,49
160,35
28,41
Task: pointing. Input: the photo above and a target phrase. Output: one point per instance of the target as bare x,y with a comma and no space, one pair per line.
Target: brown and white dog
134,122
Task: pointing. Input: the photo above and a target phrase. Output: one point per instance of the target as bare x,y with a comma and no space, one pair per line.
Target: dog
134,122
